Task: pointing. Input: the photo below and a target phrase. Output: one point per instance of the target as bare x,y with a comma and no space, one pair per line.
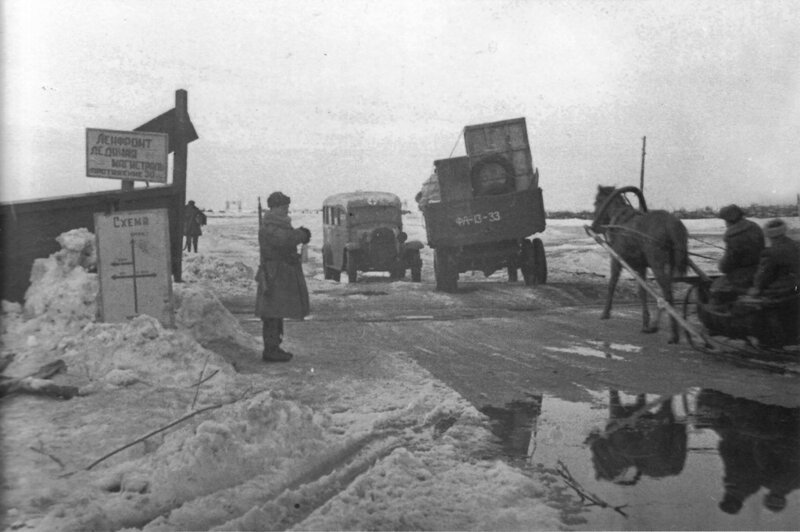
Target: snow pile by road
58,321
167,435
233,276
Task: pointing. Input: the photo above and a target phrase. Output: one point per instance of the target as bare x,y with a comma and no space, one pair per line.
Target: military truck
486,207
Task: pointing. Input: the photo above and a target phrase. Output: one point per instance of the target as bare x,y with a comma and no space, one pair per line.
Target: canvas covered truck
482,209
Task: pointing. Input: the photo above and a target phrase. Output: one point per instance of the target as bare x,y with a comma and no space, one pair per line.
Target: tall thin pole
179,177
641,173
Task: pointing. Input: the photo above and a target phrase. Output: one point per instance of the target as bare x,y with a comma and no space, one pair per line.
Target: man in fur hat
282,291
778,271
744,241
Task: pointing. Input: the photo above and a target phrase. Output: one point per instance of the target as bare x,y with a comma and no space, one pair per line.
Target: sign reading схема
134,155
133,265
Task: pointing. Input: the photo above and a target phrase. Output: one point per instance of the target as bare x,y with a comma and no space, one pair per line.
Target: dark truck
489,204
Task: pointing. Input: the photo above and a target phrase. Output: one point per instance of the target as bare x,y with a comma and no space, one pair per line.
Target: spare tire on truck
492,175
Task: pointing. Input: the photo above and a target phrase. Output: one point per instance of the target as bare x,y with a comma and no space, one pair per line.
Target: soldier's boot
275,354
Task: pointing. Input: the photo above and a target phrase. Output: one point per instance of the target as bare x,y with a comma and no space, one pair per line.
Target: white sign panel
133,263
131,155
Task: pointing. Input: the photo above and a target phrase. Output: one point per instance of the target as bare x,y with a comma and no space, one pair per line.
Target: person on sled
744,241
778,271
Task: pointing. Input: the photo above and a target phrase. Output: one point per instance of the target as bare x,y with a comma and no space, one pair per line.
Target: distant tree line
753,210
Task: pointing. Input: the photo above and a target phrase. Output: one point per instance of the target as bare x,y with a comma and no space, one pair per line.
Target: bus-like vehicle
363,232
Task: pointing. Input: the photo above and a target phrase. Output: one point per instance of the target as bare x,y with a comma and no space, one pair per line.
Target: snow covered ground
275,447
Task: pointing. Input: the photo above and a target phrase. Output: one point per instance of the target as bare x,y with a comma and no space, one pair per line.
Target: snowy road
513,346
404,407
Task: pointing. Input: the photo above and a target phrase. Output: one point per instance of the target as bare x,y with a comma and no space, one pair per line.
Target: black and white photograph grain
399,265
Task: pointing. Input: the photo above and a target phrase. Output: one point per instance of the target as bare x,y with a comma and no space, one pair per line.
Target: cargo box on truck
482,209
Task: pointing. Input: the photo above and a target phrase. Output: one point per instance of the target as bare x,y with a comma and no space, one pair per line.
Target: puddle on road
664,462
599,349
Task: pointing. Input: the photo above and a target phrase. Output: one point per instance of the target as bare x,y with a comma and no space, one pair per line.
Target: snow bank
391,448
263,436
58,320
405,492
223,275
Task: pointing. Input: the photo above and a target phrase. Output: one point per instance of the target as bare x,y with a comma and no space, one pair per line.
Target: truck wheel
512,273
445,270
527,262
539,262
330,272
352,267
325,268
416,268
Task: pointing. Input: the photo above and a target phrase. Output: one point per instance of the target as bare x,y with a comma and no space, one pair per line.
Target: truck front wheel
352,267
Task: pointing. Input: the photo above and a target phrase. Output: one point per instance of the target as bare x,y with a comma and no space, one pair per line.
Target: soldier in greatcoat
193,219
282,291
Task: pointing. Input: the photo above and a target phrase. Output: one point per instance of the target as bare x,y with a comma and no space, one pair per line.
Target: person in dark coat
282,291
778,271
193,219
744,241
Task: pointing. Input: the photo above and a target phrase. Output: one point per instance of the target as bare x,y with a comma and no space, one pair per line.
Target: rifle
261,274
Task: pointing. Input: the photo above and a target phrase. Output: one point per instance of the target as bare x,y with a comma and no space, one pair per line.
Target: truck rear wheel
352,267
527,262
512,272
445,269
539,262
416,268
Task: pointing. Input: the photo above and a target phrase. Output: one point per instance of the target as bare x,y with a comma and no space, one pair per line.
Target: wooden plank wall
28,229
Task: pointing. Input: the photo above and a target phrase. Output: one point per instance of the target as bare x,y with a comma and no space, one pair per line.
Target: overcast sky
319,97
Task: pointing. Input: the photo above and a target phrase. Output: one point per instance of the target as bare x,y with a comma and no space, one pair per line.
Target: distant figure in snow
744,241
193,219
282,291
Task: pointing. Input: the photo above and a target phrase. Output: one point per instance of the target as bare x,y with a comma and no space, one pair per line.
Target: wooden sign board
129,155
133,263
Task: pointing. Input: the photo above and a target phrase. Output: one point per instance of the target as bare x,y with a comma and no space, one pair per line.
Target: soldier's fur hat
276,199
731,213
776,227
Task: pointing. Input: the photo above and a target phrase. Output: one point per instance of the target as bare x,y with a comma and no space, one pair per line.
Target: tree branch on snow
41,450
587,497
153,433
38,383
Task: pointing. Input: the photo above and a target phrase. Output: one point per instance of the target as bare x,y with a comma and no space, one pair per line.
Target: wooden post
641,173
180,156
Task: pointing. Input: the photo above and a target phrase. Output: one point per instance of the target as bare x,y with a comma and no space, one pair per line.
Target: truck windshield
377,214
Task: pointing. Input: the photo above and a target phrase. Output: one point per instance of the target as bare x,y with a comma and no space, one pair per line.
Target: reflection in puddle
702,460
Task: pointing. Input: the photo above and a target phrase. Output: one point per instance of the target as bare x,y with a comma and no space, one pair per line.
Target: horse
642,238
643,438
